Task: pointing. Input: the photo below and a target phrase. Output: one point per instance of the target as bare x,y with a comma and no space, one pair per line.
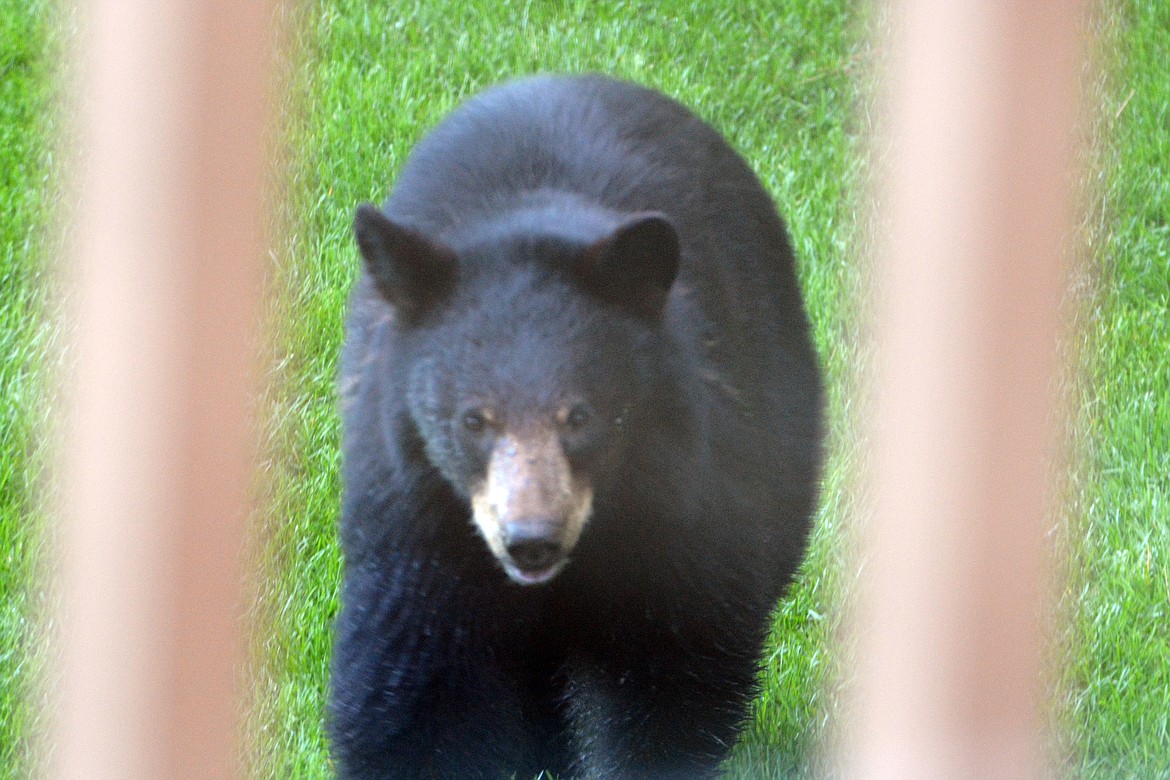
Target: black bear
582,443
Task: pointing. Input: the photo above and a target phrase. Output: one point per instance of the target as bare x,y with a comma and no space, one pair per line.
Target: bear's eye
475,421
578,418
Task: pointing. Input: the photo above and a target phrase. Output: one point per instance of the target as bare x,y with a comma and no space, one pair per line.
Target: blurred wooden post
164,278
980,105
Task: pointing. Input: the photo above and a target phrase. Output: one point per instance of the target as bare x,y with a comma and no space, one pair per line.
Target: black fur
586,239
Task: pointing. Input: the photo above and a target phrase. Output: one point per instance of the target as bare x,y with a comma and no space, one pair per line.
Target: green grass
27,95
1114,684
785,82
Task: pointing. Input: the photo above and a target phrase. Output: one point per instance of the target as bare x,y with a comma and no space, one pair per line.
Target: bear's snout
530,508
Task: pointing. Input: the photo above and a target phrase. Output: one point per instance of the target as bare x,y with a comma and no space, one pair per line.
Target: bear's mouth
533,575
532,552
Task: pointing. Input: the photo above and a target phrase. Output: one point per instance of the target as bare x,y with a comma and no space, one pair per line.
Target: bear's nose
533,546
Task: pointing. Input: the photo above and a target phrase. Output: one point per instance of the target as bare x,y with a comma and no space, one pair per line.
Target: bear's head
528,349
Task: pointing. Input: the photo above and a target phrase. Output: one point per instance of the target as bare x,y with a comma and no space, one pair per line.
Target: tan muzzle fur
530,496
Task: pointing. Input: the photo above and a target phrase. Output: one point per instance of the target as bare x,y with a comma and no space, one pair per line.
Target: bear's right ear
410,271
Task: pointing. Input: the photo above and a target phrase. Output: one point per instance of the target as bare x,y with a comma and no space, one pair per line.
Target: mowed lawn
786,82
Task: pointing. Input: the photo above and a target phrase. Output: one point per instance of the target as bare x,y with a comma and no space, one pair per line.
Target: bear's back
616,144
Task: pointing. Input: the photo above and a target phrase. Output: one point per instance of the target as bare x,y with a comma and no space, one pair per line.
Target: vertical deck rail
171,105
975,195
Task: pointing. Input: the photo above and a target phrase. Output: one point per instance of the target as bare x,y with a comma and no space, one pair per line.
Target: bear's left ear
635,265
411,271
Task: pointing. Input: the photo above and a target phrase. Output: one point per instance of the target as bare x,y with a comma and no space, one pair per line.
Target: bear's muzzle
530,508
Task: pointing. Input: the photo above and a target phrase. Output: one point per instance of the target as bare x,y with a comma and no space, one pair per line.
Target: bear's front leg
652,721
419,689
